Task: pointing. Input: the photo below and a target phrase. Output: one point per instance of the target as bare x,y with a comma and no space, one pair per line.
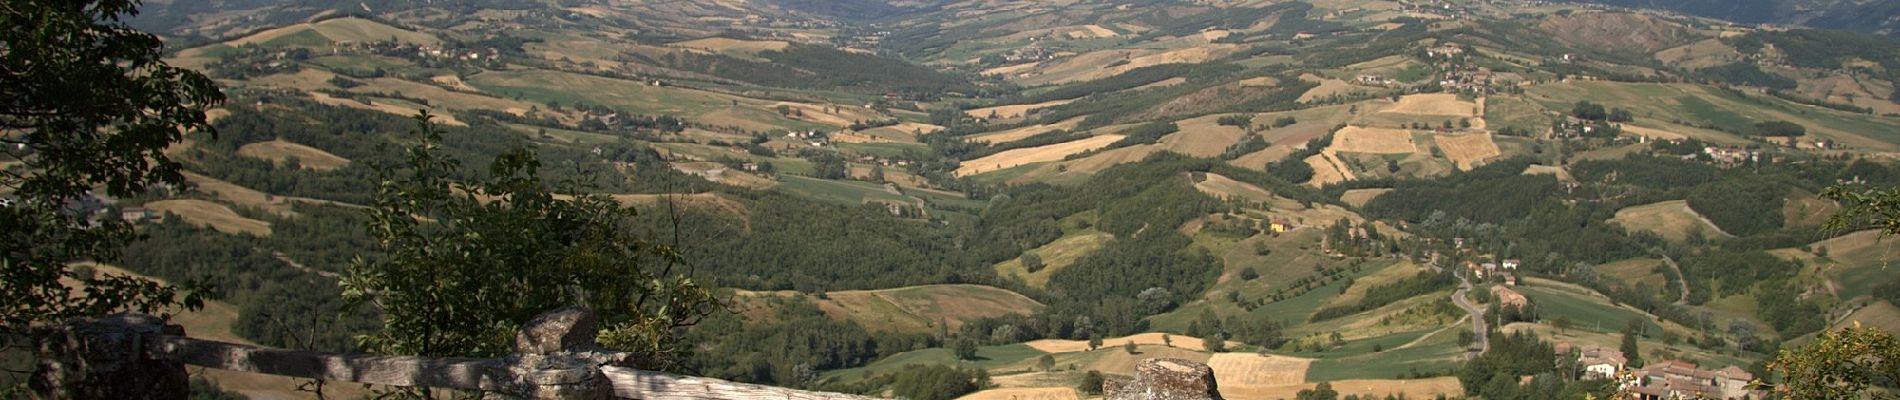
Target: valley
1415,198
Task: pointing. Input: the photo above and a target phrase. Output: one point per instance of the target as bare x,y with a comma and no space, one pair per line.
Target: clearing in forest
1672,220
1012,110
213,215
280,150
1359,197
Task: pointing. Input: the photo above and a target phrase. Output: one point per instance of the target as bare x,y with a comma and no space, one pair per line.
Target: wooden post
105,359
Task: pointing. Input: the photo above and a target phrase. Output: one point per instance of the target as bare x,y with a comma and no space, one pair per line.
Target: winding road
1477,317
1681,280
1477,314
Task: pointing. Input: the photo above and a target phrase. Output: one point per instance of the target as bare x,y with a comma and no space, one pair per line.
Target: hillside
882,191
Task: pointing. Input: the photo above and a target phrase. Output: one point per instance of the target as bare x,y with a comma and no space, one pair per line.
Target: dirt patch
454,83
1356,139
280,151
1561,173
1359,197
1468,151
213,215
1018,157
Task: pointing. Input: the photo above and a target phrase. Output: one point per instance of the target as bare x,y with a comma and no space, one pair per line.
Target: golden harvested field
1436,104
1359,197
1357,139
1011,69
1013,110
901,133
719,44
1672,220
1328,88
1259,160
280,150
1228,188
717,172
1242,370
214,215
1092,32
1202,137
1018,157
1468,151
1024,394
1328,170
1025,132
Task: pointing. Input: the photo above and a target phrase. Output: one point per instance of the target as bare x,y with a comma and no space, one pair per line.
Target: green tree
89,102
1322,391
1032,262
1630,350
463,264
1215,343
1129,347
1091,383
1046,363
1095,342
1839,365
965,348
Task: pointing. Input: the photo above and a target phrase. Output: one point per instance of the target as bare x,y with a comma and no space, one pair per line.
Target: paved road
1477,317
1681,280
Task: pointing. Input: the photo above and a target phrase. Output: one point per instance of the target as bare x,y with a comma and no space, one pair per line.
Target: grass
213,215
1710,114
281,151
1583,312
1438,353
1512,111
1673,220
1055,256
302,38
841,192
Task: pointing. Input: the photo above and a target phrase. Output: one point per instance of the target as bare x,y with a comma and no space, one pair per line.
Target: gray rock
1166,379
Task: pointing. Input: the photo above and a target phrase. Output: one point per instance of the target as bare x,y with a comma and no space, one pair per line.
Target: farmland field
280,151
1018,157
1672,220
1355,139
214,215
1470,150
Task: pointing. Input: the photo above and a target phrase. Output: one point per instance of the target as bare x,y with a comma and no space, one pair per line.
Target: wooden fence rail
139,357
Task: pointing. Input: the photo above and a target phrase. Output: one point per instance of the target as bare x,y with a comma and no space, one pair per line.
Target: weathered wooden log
453,373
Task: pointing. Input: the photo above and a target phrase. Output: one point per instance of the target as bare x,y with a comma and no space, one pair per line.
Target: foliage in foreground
465,263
